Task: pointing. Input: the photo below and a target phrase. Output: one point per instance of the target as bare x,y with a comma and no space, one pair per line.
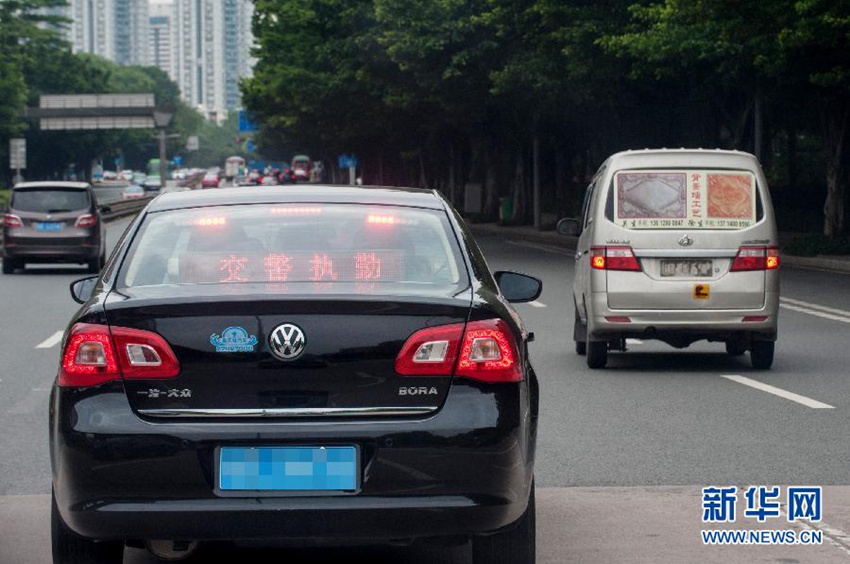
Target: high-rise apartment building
114,29
160,33
203,45
212,42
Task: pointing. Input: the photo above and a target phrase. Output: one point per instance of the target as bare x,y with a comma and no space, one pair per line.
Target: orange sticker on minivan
701,291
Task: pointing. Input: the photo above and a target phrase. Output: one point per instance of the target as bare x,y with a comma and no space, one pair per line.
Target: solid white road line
808,402
51,341
535,303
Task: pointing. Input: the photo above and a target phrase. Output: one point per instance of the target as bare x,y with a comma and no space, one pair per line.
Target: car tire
597,354
761,354
9,265
70,548
516,545
735,347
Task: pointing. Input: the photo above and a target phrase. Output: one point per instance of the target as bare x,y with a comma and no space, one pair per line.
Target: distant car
132,192
255,177
211,179
151,183
52,222
286,176
677,245
299,364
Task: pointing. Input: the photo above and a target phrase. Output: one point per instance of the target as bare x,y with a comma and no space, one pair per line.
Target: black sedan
295,364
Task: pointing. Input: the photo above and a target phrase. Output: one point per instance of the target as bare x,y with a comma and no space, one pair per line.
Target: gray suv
53,222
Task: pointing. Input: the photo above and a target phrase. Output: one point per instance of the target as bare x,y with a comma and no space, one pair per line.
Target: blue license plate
48,226
302,468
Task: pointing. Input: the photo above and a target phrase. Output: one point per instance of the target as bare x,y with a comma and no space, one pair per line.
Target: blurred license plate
302,468
48,226
686,267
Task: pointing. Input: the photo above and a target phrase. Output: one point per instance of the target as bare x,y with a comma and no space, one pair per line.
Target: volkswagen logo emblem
287,341
686,241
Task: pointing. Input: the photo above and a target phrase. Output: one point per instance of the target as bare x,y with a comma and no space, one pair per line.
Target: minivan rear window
684,198
51,200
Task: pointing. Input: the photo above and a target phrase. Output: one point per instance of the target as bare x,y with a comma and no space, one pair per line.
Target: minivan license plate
686,268
291,468
48,226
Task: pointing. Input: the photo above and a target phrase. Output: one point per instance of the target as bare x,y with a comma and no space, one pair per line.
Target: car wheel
9,265
761,355
70,548
516,545
735,347
597,354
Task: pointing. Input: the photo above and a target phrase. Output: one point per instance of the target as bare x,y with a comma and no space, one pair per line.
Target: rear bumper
465,470
604,322
76,252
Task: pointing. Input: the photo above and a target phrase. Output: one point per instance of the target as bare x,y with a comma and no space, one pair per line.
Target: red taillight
93,355
614,258
755,258
86,220
485,351
10,220
489,353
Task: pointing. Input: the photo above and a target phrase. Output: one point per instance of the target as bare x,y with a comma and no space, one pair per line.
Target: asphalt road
623,452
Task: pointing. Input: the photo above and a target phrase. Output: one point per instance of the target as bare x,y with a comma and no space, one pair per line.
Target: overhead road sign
94,111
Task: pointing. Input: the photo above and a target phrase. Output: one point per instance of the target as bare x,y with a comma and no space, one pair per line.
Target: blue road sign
246,122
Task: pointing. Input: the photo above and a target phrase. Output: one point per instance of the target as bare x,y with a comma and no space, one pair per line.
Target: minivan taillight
614,258
95,354
755,258
11,220
484,350
86,220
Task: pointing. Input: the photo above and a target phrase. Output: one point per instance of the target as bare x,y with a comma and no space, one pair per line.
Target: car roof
302,193
683,157
53,184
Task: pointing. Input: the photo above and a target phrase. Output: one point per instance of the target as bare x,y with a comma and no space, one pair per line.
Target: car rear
51,222
321,371
685,248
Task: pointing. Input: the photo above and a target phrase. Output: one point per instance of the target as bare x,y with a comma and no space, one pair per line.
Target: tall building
160,33
212,42
203,45
114,29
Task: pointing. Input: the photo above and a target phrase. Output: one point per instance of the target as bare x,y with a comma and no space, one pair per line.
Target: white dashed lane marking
815,309
51,341
535,303
803,400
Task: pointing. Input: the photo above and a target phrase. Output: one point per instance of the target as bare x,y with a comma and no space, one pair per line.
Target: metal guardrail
123,208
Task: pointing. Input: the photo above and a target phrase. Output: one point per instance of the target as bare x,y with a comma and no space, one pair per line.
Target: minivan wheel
70,548
761,354
516,545
597,354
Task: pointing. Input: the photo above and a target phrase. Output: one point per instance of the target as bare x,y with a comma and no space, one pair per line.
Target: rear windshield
297,248
676,199
49,200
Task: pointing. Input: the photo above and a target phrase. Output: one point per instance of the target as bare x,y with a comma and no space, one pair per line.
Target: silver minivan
678,245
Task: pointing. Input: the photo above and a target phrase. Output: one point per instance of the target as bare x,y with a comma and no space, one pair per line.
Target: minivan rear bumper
604,322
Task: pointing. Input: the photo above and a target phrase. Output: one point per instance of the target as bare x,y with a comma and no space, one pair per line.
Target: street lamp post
161,119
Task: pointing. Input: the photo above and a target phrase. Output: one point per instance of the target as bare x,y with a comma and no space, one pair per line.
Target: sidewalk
830,263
